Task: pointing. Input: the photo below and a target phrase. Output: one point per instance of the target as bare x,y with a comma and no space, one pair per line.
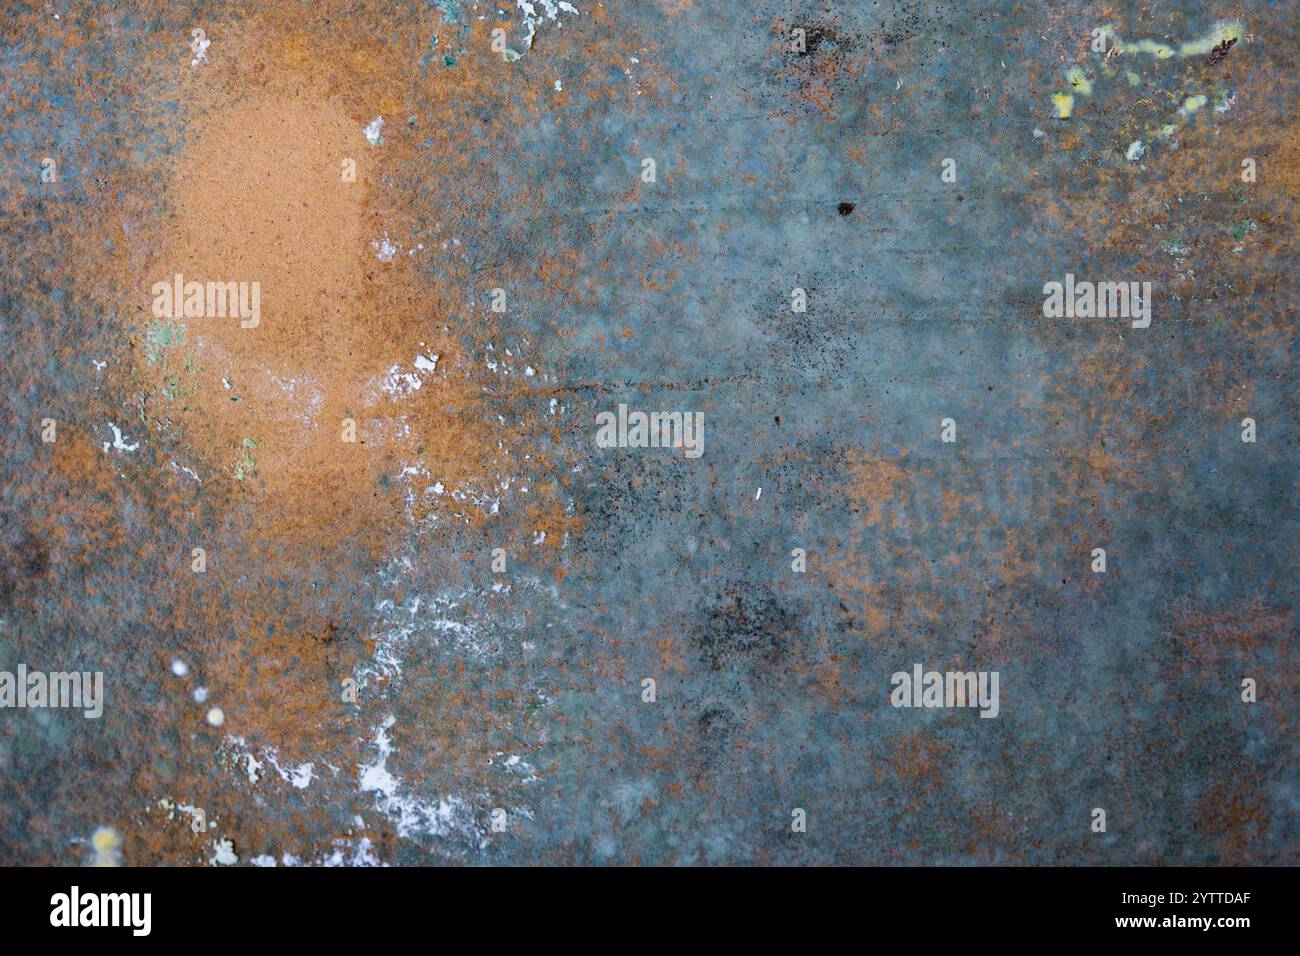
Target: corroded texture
522,690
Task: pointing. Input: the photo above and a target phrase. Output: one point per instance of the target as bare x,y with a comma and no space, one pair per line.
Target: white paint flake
189,471
225,855
199,47
118,442
384,249
413,816
398,383
551,10
300,776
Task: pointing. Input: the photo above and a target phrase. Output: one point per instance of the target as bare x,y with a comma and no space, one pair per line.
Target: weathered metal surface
776,169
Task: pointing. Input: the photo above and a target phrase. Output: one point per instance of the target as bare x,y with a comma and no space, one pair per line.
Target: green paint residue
451,15
1079,82
1064,103
246,464
450,10
160,336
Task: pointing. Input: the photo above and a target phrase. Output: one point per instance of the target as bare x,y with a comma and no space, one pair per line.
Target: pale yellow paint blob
1221,32
108,844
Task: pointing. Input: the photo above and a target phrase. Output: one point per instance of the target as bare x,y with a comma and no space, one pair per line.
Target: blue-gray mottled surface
819,170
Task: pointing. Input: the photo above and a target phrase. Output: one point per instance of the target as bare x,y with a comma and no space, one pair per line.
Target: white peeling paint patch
384,249
199,47
468,619
551,10
361,854
189,471
1135,151
244,757
374,131
398,383
412,816
518,765
118,441
173,808
300,776
225,855
400,625
349,851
